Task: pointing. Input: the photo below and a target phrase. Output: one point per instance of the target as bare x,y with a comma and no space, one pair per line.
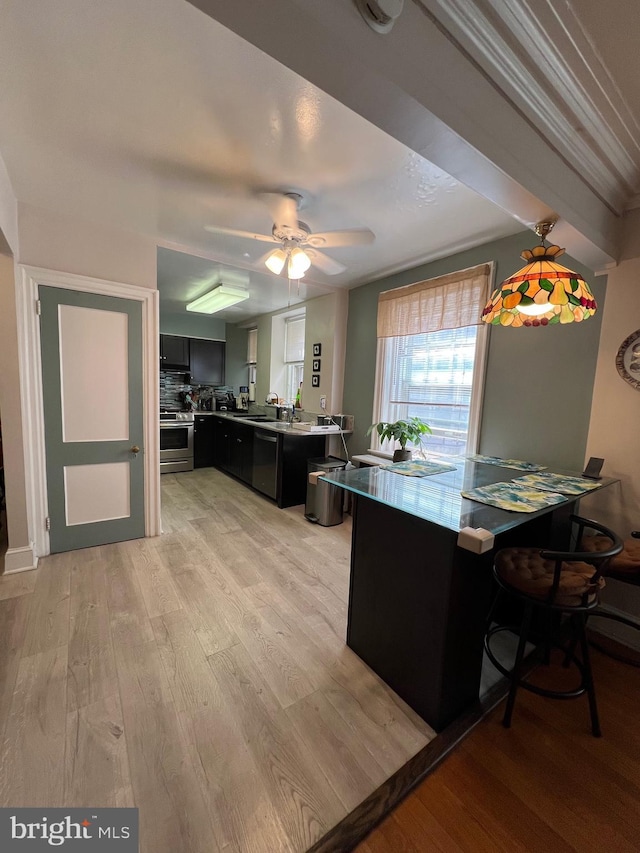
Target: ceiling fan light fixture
276,261
223,296
299,263
542,293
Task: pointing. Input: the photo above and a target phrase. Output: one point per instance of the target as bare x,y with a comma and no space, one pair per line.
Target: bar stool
554,585
624,567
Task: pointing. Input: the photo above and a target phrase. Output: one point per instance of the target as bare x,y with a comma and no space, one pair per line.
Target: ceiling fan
299,247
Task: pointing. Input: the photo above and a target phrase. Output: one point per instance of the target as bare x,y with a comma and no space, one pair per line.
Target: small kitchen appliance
345,422
242,401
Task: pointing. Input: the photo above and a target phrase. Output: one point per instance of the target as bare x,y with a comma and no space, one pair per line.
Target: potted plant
403,431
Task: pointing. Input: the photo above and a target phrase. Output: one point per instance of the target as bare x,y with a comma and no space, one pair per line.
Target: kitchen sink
250,417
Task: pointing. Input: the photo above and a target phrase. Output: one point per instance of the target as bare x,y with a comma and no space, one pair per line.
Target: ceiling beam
416,84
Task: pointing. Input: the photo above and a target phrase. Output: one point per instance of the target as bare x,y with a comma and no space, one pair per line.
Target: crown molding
541,58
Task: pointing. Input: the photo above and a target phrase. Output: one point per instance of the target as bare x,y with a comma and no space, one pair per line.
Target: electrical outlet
323,402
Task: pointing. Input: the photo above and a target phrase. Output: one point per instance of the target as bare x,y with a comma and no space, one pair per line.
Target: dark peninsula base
418,603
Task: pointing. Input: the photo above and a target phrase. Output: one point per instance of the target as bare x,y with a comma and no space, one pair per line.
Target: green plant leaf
402,431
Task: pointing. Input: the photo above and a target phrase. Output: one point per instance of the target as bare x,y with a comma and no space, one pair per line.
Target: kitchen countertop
273,426
437,498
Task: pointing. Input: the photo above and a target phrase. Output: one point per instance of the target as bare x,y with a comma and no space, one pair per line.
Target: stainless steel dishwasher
265,462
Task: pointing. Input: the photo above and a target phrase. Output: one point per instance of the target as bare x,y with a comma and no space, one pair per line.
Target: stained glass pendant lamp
542,293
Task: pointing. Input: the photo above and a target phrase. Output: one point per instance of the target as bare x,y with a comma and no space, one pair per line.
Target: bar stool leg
588,677
548,618
492,610
517,667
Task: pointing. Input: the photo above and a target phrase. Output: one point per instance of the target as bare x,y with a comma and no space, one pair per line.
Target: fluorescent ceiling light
220,297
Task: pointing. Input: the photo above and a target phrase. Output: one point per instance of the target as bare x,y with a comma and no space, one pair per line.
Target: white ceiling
148,115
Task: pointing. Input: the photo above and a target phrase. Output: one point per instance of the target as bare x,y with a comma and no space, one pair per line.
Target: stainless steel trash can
324,501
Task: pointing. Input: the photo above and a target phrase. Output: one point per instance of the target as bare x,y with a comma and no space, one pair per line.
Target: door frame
33,432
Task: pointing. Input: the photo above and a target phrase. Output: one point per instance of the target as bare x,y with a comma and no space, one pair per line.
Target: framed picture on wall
315,380
316,365
317,350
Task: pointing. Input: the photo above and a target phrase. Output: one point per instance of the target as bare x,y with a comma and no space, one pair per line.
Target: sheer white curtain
294,355
447,302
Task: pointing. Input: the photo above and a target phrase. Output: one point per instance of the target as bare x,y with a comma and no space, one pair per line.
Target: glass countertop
437,498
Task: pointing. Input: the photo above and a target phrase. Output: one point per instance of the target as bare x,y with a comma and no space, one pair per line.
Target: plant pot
401,455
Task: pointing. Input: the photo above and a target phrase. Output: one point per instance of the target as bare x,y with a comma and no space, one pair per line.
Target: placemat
549,482
418,468
514,497
518,464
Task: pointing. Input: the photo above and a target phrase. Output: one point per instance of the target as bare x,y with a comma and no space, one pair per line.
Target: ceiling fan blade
282,208
348,237
324,263
234,232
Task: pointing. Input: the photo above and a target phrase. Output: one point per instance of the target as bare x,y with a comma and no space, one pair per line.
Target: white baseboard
20,560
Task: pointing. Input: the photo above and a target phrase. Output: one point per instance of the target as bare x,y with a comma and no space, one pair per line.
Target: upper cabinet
174,353
204,360
207,362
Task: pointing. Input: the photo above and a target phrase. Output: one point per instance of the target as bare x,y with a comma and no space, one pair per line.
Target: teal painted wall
539,381
192,326
236,370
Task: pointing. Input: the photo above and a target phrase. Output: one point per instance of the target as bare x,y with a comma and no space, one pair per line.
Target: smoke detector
380,15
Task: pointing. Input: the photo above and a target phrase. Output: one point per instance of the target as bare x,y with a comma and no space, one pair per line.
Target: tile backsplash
172,386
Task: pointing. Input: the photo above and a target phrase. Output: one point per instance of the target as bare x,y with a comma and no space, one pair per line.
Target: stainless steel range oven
176,442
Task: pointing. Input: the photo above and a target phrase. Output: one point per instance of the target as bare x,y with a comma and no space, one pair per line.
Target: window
433,367
293,355
252,354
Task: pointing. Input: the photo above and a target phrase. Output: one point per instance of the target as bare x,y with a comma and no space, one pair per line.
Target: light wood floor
201,676
543,786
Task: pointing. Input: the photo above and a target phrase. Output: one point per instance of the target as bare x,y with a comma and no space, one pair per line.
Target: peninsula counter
417,600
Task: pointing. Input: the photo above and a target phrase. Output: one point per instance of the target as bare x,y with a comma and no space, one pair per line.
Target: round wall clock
628,360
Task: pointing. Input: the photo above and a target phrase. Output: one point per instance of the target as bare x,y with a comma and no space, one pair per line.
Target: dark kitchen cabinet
204,441
236,450
207,362
292,466
174,353
233,449
221,443
241,452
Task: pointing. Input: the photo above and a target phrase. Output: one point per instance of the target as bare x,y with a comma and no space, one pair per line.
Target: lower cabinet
221,443
292,473
241,452
204,441
233,448
233,452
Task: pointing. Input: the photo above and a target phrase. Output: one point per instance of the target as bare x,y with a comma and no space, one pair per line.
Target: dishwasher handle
262,437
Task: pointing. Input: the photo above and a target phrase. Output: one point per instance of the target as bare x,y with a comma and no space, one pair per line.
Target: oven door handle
175,424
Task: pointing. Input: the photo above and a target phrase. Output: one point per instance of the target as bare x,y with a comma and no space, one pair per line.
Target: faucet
290,409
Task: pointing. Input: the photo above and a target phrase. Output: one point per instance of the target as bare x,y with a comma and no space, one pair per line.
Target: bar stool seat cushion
627,562
526,571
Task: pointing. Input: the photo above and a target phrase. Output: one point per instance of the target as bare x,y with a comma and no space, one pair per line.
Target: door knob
135,450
